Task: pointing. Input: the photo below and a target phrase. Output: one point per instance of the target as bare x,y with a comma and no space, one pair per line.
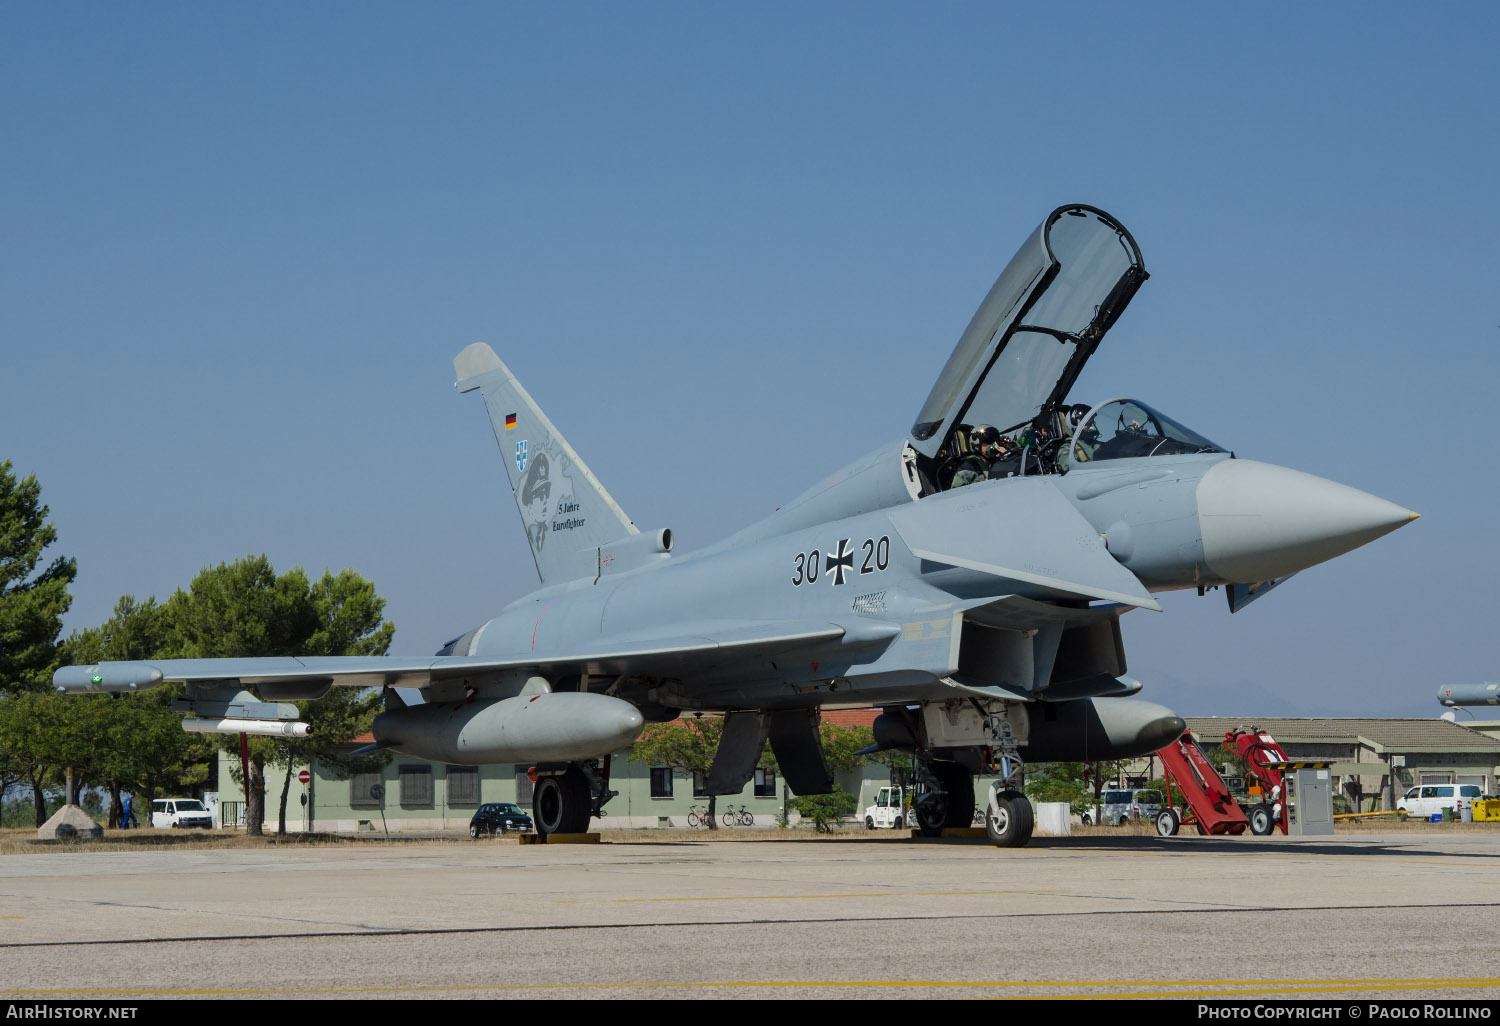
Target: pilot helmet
981,435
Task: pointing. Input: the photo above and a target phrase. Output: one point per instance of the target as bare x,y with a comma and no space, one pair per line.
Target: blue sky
727,248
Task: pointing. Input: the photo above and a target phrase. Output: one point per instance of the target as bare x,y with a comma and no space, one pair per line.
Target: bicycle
697,816
738,817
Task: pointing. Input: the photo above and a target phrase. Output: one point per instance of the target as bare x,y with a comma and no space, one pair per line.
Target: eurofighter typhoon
967,579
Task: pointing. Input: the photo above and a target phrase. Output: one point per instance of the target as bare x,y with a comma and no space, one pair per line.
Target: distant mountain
1240,698
1248,698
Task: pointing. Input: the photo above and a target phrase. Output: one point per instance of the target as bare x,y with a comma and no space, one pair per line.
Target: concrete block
69,823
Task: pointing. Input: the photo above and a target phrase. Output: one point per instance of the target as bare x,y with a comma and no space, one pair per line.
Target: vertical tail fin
566,511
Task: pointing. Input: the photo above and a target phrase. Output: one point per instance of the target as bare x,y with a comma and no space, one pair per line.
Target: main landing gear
568,796
948,800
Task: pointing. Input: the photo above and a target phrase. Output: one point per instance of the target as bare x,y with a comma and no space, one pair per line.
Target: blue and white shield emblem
521,456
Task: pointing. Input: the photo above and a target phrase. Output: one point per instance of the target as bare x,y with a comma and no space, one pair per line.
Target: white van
1428,800
180,812
1117,807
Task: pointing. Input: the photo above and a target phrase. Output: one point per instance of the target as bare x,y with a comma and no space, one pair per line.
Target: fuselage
856,551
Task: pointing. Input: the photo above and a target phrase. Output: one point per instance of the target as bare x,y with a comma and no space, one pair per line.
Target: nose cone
1261,521
629,724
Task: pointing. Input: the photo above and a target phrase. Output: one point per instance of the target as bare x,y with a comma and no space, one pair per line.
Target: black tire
1011,821
561,804
1261,820
1167,823
475,832
727,819
955,808
1087,819
869,822
899,823
747,820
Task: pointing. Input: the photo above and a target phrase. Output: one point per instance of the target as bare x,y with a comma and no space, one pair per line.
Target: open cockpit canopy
1029,339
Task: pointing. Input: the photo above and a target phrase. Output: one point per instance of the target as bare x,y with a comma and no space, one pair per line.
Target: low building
410,794
1374,761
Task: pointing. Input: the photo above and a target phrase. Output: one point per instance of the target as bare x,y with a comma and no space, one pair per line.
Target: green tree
139,743
1059,782
41,732
31,603
841,746
244,609
686,745
348,615
898,764
691,745
825,810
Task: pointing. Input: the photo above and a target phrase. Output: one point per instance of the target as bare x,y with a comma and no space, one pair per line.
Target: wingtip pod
1487,693
106,677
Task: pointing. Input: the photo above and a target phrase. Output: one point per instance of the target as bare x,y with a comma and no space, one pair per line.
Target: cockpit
1126,429
999,406
1057,441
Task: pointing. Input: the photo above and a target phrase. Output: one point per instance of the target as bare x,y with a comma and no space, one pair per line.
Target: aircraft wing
718,640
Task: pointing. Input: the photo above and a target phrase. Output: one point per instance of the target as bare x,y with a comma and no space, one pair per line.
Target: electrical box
1312,814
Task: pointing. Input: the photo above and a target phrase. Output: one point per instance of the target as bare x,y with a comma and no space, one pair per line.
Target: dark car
499,818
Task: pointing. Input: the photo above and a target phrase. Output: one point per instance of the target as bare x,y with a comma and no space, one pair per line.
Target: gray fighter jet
968,579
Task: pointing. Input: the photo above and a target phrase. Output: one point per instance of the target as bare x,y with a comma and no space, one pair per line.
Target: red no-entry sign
304,776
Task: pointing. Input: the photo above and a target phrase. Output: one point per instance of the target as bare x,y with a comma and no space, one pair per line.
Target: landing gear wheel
1008,818
1167,823
954,808
1261,821
562,804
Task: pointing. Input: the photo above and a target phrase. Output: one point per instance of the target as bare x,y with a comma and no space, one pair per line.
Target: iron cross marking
836,565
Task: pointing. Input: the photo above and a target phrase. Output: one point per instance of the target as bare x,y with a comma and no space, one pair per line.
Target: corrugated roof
1414,735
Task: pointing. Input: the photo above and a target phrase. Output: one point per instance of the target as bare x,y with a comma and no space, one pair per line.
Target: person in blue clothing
127,820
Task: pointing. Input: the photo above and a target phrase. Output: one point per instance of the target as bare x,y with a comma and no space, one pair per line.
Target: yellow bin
1489,808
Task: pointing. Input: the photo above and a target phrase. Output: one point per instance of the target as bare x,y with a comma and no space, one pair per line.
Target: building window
700,785
416,785
661,781
765,783
361,791
463,785
525,787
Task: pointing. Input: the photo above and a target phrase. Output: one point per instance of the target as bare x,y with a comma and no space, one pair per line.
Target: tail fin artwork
566,511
